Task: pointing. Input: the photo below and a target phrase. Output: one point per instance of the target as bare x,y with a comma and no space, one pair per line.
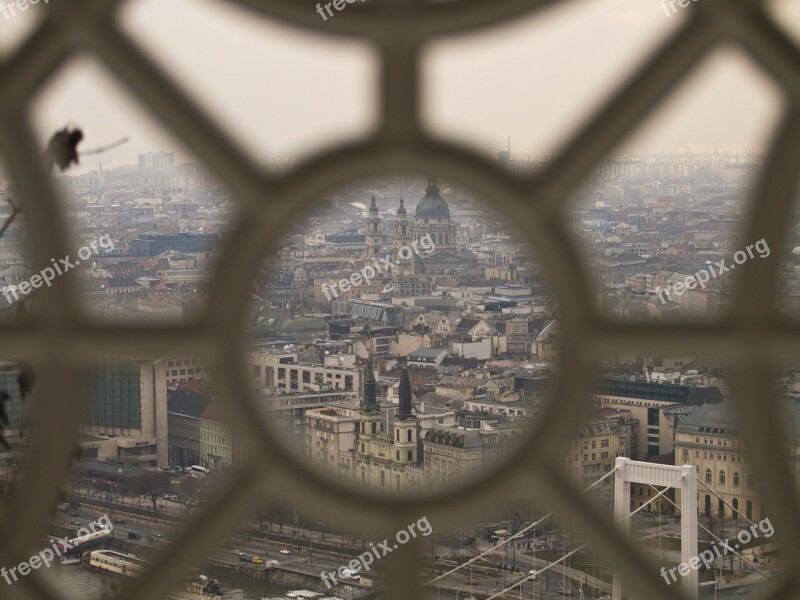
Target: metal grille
754,333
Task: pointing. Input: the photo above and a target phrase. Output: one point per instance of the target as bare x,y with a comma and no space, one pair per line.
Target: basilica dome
432,205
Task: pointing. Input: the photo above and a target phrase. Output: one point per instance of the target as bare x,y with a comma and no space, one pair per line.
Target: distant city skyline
298,93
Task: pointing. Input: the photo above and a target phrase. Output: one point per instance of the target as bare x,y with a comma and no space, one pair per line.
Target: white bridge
683,478
626,472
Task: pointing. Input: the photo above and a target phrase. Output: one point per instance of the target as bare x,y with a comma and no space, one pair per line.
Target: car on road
134,535
744,592
471,581
119,521
245,558
285,551
257,560
76,523
239,553
74,513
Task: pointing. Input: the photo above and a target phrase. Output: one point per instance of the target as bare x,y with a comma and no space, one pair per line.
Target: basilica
431,222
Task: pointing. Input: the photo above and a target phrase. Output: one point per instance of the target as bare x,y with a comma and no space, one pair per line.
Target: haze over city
425,390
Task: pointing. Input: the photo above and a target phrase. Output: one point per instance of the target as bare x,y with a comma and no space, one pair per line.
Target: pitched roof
467,324
192,401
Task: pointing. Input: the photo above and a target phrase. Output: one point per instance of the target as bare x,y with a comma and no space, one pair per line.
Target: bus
197,470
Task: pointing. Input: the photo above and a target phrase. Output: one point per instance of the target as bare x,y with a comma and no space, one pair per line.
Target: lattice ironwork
62,338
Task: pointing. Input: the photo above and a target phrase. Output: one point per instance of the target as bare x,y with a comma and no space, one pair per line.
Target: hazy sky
281,91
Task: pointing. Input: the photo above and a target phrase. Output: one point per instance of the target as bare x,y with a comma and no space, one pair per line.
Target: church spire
404,412
373,237
370,403
402,209
432,185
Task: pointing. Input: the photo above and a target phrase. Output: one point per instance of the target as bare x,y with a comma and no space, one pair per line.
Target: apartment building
15,411
286,412
650,403
282,371
710,439
197,435
452,455
592,453
331,433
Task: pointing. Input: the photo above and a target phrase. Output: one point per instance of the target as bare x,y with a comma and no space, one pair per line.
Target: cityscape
434,300
403,339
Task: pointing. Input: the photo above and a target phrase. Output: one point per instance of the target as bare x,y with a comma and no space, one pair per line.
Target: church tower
402,238
370,422
405,425
373,236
